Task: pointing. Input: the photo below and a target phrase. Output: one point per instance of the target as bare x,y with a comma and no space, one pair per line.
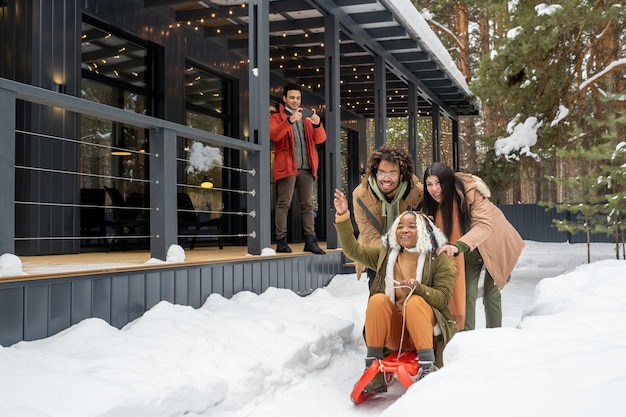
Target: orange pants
383,324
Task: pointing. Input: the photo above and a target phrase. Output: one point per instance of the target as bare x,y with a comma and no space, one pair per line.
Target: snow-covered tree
594,193
615,178
536,67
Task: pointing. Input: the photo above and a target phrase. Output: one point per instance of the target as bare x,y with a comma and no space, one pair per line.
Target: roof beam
235,11
412,56
345,3
372,17
387,32
289,40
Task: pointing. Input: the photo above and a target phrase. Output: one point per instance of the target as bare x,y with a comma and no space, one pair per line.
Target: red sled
405,366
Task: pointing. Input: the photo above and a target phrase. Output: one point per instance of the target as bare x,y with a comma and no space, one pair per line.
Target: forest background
550,83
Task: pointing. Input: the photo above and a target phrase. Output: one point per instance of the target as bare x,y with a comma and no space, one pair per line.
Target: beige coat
499,244
370,230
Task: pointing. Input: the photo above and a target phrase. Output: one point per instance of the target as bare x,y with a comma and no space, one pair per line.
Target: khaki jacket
499,244
368,212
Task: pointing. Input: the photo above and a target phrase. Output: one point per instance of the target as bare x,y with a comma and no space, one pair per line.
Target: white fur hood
429,237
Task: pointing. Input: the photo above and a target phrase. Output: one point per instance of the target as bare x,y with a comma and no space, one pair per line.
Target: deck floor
49,266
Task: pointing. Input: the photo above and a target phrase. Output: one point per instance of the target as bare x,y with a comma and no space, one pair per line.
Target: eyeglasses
382,175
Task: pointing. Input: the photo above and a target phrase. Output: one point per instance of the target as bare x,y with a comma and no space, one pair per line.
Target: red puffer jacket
281,133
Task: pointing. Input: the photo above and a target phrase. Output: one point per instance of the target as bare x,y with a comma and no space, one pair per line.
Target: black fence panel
534,222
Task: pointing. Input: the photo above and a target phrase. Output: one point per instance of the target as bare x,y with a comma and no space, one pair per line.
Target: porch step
349,268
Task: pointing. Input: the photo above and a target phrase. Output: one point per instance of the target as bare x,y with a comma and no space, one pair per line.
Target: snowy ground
561,352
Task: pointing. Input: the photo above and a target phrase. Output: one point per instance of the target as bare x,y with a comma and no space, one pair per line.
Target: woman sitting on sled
410,292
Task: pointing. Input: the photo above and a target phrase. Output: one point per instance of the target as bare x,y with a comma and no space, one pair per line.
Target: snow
514,32
266,252
203,158
547,10
175,253
406,12
561,352
522,137
10,265
608,68
562,113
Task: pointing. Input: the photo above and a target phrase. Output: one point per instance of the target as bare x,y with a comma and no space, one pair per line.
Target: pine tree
542,67
614,127
531,59
595,197
586,209
450,20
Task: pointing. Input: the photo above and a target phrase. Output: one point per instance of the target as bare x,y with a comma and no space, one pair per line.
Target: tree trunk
467,131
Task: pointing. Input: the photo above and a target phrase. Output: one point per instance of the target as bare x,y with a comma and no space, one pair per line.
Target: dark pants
491,294
285,187
370,276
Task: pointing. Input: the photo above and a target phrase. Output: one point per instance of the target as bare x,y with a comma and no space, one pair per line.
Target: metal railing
163,182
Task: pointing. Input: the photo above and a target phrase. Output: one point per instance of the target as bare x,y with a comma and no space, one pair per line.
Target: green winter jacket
435,287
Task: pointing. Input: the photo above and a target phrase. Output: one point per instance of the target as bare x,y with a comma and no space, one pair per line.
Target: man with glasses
390,187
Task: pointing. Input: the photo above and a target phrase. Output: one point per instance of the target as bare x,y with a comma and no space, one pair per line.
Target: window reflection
116,72
207,108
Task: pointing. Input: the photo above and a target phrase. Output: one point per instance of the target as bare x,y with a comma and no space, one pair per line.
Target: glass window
115,72
425,143
114,59
207,107
345,160
206,104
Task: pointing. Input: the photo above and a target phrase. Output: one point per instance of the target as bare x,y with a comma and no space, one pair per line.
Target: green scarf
390,210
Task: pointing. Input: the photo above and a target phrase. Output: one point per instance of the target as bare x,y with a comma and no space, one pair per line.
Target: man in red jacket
295,164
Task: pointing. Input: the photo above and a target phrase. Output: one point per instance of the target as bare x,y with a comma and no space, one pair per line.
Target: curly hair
393,155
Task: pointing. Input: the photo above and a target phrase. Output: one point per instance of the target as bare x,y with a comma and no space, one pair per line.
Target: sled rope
403,313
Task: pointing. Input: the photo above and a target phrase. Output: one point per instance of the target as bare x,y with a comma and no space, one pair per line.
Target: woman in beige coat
461,201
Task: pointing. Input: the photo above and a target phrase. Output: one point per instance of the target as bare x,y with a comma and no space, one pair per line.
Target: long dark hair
452,192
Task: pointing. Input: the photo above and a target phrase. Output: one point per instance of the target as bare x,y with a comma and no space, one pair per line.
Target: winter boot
378,384
282,247
426,358
312,246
